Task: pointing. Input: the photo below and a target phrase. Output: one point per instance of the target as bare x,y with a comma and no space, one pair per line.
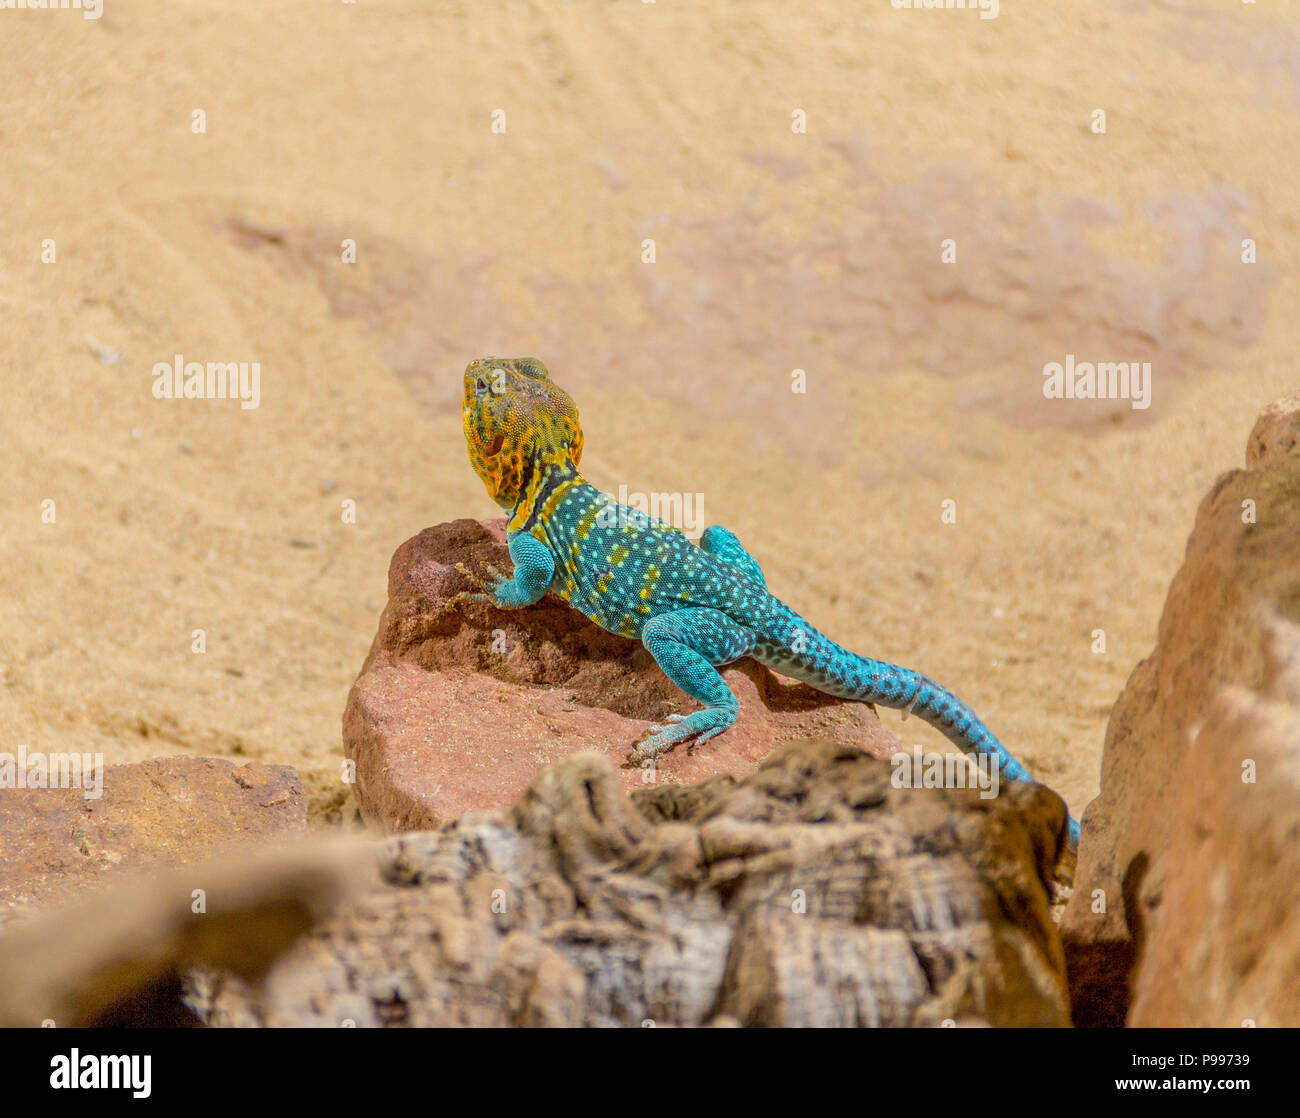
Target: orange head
516,420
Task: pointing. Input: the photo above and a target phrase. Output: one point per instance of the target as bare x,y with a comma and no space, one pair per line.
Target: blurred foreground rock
1184,905
56,843
117,958
459,710
811,893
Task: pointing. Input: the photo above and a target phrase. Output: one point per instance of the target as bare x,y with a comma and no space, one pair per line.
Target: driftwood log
811,893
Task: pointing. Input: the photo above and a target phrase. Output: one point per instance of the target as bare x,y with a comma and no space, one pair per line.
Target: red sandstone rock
171,811
1225,948
1183,911
458,710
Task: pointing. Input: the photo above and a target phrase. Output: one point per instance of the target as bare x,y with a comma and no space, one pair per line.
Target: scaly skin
693,607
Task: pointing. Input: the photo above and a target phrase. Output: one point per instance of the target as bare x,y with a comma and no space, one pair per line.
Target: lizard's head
516,419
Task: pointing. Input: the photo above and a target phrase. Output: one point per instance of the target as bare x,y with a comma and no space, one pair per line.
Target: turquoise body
699,607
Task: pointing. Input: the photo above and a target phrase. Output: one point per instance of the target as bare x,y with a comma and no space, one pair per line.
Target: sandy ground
775,250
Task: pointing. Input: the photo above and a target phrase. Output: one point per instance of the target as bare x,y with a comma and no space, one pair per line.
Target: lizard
694,607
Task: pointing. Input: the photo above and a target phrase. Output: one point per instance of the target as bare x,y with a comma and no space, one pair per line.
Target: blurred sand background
775,251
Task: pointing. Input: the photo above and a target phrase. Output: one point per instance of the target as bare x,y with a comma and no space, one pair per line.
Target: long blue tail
903,689
808,655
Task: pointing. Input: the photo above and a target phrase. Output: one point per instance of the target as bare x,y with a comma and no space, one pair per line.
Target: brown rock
1188,861
811,893
1225,948
56,843
1276,432
116,958
440,721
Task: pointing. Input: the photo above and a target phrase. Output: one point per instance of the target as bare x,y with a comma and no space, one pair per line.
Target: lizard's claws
676,728
495,578
489,586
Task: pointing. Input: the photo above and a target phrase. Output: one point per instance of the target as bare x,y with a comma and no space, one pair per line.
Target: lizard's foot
701,725
465,596
490,586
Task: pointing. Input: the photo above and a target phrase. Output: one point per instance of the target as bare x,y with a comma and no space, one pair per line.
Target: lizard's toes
489,584
701,725
651,747
489,587
474,577
464,596
703,735
674,728
662,739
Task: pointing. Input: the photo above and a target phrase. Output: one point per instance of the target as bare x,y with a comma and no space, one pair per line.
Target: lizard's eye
480,387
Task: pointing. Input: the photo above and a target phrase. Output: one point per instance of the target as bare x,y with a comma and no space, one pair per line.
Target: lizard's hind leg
687,643
722,543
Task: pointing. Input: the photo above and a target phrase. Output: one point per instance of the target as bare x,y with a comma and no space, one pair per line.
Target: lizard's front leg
687,643
534,568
